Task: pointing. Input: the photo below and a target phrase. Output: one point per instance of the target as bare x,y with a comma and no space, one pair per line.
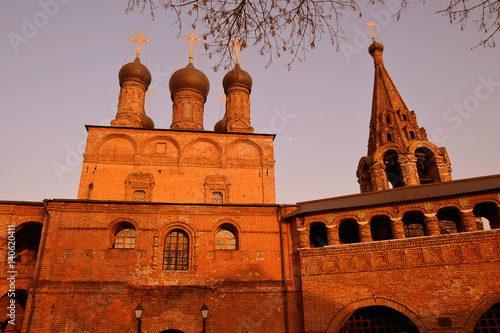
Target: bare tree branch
293,27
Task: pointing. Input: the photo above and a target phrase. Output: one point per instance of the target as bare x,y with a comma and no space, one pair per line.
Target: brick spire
399,153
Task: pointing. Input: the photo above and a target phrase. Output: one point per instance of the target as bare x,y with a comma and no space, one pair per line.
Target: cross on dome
192,40
371,24
139,40
237,47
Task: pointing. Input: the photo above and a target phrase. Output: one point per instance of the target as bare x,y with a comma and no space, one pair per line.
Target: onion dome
375,46
135,71
189,78
237,76
147,122
220,126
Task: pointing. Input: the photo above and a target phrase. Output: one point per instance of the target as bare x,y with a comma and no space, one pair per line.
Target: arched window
176,253
489,321
388,120
140,195
449,220
375,319
217,198
124,237
89,193
389,137
412,135
225,239
405,117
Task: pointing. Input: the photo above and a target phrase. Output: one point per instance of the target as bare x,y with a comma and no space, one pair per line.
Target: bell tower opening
426,166
393,169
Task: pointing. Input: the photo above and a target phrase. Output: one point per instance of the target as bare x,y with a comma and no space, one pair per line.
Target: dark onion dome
220,126
189,78
374,47
237,76
135,71
147,122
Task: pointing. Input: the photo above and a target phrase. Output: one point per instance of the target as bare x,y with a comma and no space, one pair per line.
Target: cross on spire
237,47
192,40
371,24
139,40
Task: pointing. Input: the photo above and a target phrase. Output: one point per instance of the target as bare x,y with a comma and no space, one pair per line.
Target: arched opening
348,232
317,235
389,137
171,331
449,220
413,223
426,166
412,135
28,242
226,238
490,212
89,192
489,321
378,319
20,297
393,169
124,236
364,179
381,228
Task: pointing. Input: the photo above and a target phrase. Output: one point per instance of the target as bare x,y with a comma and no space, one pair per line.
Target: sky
59,71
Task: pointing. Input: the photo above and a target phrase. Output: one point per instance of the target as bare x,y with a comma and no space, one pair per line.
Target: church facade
171,221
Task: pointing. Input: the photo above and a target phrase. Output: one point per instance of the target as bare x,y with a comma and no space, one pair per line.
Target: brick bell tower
399,153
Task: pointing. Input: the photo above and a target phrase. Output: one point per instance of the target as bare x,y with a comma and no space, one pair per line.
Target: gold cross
222,96
237,47
139,40
192,39
371,24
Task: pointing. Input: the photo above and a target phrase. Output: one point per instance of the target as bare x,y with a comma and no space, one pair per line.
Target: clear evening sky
60,61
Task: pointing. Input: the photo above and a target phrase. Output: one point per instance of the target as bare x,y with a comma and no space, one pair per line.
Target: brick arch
365,160
160,138
237,142
424,144
20,285
345,217
311,219
187,148
484,305
379,154
178,224
407,209
221,222
25,223
477,201
117,136
379,213
345,312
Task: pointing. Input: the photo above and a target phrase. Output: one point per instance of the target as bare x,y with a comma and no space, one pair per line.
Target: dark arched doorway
172,331
378,319
489,321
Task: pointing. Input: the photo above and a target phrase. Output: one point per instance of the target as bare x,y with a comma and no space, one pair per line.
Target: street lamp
138,314
204,315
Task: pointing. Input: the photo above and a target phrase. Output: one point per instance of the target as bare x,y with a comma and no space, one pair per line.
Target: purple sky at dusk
64,75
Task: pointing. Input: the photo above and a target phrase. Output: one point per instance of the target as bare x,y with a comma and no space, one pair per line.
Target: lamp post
204,315
138,314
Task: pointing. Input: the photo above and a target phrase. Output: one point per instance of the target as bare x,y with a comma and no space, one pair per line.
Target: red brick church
174,221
